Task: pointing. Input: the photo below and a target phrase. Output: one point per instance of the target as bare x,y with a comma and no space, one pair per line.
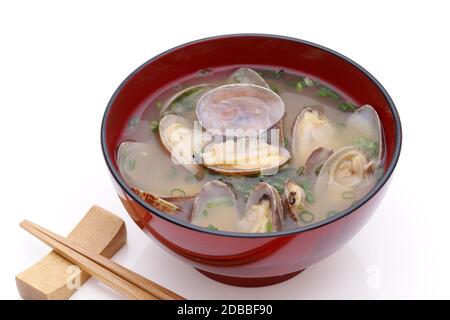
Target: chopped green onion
278,186
323,92
241,187
211,227
306,185
205,213
131,164
368,146
360,142
299,86
278,73
347,106
133,122
187,100
331,213
220,202
269,226
306,217
280,178
154,125
177,192
274,88
334,95
327,92
308,82
348,195
159,105
310,198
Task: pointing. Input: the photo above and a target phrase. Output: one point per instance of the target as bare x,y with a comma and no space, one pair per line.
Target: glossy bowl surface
236,258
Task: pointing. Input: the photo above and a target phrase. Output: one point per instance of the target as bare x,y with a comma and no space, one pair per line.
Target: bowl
249,259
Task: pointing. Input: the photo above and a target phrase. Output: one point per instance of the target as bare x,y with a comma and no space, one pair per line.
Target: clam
157,202
238,110
366,122
274,136
311,130
294,198
263,211
315,162
215,207
184,100
244,156
132,160
345,176
179,137
249,76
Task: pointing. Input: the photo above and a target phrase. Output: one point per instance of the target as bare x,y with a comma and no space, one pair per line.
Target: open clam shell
311,130
295,199
215,207
315,162
248,76
244,156
366,122
158,202
184,100
178,136
263,211
345,176
239,110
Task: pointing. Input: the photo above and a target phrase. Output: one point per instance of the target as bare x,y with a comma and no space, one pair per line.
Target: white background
60,63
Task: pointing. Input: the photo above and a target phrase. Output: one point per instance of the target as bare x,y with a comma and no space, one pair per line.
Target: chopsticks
119,278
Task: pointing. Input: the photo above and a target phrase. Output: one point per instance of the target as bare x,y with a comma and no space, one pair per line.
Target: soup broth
325,154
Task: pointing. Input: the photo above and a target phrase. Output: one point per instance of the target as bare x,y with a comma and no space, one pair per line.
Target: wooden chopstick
124,281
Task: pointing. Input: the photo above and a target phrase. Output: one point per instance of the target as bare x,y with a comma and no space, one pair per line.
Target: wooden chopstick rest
103,265
51,278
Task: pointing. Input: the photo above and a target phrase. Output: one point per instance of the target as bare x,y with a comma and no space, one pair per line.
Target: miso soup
251,150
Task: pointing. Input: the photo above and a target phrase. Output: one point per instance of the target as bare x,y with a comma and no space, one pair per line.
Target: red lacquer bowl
236,258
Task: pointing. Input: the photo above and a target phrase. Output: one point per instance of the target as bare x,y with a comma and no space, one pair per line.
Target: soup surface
251,150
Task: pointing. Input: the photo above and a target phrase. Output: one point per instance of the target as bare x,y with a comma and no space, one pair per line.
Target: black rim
185,224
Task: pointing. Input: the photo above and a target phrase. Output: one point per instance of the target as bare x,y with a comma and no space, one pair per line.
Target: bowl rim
119,180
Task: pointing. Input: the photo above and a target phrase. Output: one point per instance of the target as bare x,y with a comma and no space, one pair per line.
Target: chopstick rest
51,278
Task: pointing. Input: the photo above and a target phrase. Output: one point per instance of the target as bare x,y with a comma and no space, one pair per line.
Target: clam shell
294,198
217,159
366,120
315,160
184,156
248,76
211,190
157,202
338,187
262,191
311,130
239,110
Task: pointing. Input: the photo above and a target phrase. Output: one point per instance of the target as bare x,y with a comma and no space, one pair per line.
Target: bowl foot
249,282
